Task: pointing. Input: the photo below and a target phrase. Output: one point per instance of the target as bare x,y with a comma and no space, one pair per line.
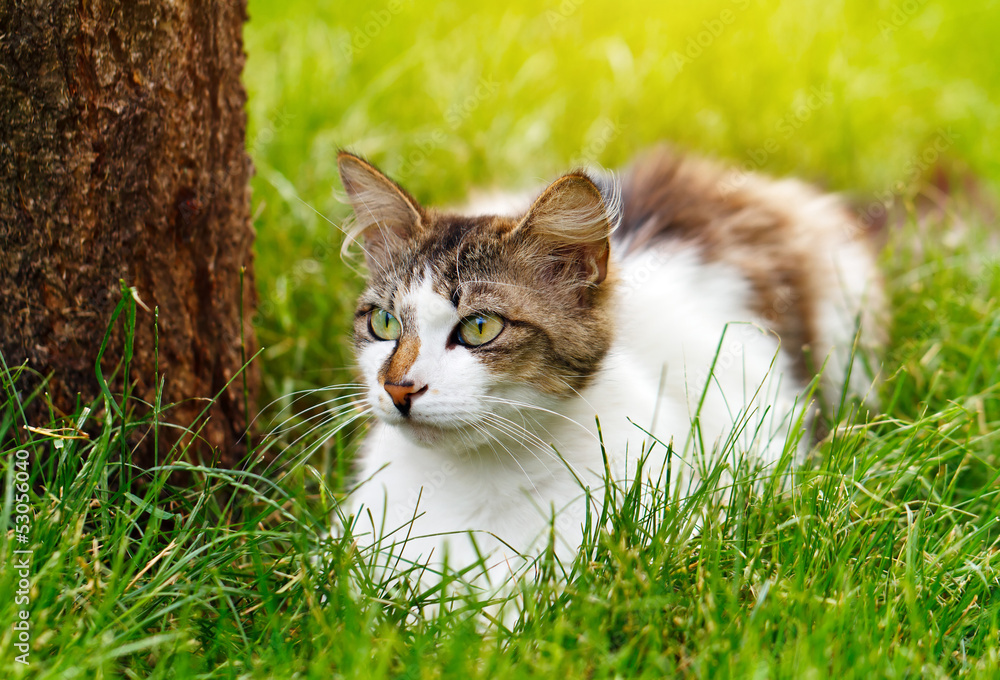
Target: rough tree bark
122,156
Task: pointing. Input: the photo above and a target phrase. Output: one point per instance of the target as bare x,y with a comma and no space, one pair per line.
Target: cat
687,305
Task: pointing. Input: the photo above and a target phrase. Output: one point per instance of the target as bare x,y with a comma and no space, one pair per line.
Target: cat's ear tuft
570,219
385,215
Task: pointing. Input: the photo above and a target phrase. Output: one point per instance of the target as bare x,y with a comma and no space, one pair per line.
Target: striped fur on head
545,273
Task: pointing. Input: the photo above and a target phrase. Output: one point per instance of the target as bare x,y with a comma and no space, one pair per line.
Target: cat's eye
479,329
383,325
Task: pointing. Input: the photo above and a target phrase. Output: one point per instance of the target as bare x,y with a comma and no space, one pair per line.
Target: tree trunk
122,157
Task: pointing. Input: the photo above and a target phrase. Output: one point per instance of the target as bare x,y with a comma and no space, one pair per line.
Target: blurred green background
863,97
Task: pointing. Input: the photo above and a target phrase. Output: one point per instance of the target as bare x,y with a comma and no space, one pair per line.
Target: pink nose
402,394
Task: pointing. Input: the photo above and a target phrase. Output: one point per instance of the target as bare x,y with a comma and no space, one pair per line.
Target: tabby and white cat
489,341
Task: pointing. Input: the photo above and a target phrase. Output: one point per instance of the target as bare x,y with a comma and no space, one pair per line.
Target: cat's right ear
385,215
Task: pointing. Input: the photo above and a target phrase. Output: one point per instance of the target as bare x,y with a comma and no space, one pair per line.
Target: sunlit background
863,97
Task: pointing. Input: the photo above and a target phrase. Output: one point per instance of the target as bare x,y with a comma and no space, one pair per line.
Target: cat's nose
402,394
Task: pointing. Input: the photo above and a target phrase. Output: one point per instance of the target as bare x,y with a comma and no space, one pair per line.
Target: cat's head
464,318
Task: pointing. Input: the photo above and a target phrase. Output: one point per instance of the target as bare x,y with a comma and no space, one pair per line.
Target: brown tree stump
122,157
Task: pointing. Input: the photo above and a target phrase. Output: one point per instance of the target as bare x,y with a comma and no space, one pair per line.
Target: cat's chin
434,434
424,433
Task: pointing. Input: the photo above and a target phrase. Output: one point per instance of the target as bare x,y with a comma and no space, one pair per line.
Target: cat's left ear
571,221
385,215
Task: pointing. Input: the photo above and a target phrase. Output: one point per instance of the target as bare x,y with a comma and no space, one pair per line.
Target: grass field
882,562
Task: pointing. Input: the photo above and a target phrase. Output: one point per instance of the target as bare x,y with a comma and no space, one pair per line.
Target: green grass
882,562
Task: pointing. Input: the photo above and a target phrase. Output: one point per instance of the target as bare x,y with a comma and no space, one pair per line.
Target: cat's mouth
425,429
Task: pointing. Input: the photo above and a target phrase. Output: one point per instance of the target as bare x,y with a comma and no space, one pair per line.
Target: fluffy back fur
686,301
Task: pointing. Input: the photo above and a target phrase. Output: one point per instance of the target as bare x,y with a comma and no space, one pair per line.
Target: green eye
383,325
479,329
